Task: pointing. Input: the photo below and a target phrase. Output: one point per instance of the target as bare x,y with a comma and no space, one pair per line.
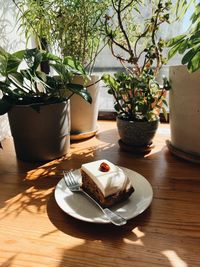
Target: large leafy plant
23,83
139,48
188,44
72,27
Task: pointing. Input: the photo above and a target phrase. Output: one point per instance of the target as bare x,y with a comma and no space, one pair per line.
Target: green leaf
17,78
195,35
110,91
74,65
4,85
12,64
4,106
37,60
41,75
8,63
19,54
196,13
164,102
49,56
188,56
80,90
175,40
194,63
183,47
166,84
105,77
61,70
110,81
3,65
33,58
117,107
173,51
15,82
26,74
165,113
3,52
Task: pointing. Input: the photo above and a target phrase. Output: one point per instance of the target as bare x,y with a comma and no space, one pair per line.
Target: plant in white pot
138,96
37,103
73,28
184,100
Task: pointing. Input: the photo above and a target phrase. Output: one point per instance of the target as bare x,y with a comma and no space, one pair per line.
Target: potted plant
184,97
137,45
72,28
38,103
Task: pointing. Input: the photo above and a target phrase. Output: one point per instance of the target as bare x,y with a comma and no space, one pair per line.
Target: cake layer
91,188
108,182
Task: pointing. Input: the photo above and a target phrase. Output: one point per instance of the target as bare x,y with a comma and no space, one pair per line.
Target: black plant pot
43,135
137,133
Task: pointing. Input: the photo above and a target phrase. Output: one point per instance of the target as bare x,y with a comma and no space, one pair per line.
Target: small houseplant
71,28
37,103
138,96
184,100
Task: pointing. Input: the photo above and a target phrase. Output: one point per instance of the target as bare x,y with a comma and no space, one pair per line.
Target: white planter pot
83,114
184,103
43,135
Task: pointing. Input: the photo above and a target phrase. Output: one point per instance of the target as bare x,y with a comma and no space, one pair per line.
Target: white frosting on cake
110,182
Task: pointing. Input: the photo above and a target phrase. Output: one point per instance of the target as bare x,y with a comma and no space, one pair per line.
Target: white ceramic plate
80,207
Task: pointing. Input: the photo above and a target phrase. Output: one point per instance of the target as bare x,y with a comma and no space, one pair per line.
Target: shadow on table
90,231
138,243
9,262
31,184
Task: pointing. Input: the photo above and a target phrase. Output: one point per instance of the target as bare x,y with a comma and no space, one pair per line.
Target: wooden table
34,231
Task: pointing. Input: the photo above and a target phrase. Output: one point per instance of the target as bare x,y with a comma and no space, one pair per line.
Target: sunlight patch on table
138,232
138,241
174,259
133,242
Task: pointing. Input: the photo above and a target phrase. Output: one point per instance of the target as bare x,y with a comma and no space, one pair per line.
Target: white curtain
11,40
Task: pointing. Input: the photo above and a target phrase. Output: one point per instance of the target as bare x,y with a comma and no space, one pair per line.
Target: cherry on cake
105,182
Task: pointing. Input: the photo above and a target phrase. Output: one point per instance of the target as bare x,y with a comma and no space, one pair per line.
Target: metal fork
74,186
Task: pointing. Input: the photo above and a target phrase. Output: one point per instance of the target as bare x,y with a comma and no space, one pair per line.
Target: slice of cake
105,182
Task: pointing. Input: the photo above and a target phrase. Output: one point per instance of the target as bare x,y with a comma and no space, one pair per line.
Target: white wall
11,40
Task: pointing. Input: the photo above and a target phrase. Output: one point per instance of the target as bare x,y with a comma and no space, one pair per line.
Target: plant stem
94,83
123,31
158,57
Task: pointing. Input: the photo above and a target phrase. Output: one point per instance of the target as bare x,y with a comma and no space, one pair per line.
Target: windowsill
111,115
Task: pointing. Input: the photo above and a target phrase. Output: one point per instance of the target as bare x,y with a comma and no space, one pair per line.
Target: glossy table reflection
34,231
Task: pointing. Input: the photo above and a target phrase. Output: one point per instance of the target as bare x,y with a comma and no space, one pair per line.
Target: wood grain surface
34,231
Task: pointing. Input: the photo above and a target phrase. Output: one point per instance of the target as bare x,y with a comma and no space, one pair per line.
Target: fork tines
70,179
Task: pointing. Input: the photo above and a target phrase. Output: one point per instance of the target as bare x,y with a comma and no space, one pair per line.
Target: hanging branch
155,26
132,57
125,7
111,37
130,51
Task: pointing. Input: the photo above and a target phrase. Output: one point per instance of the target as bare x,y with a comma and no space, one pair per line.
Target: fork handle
113,217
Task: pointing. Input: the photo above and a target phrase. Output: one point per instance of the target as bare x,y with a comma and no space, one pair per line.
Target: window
107,63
